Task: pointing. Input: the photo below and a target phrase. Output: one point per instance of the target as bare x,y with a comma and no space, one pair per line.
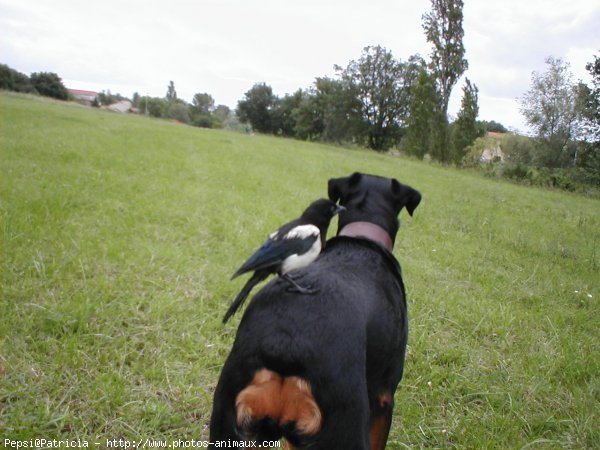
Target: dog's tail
287,402
238,301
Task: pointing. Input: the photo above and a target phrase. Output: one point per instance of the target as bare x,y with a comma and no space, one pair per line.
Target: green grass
120,233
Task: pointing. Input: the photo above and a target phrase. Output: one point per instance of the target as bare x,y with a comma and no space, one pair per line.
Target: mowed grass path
119,235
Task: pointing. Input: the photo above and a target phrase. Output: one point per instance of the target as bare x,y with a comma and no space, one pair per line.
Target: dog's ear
413,198
354,179
335,187
405,196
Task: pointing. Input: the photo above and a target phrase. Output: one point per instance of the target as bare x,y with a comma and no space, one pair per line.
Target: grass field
119,235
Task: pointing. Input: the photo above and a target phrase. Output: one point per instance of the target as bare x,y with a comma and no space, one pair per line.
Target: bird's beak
339,209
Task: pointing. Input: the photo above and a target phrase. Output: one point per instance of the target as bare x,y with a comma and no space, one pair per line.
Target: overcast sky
223,47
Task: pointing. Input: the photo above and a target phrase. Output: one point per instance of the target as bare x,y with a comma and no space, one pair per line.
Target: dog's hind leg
222,425
381,421
223,420
346,424
347,431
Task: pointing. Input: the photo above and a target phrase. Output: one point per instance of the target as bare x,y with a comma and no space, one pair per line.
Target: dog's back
298,356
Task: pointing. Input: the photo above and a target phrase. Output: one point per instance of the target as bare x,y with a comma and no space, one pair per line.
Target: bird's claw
295,287
302,290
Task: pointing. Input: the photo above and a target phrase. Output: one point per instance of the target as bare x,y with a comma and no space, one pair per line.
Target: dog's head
374,199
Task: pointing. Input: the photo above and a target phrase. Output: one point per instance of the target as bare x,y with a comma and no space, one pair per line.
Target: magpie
293,246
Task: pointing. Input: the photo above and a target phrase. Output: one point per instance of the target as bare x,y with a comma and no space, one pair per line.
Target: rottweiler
321,370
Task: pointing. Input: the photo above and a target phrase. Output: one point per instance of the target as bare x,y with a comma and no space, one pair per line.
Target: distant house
86,97
122,106
493,150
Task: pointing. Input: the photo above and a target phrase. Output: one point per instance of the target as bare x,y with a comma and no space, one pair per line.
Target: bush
50,85
106,98
573,179
11,80
178,111
474,151
154,106
518,149
516,171
203,121
491,125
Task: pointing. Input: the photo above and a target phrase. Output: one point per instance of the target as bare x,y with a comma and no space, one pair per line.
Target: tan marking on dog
379,426
259,399
378,432
285,400
385,399
299,406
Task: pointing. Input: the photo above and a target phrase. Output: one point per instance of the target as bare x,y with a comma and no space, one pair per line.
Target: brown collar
370,231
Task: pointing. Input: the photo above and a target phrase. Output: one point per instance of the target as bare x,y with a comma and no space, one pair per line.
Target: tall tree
465,127
590,96
171,92
443,29
424,106
591,100
256,108
552,109
382,86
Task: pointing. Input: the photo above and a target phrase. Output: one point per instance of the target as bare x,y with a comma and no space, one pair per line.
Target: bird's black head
321,210
319,213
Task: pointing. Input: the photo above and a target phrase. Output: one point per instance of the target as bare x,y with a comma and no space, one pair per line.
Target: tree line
47,84
564,148
379,101
202,112
376,101
565,117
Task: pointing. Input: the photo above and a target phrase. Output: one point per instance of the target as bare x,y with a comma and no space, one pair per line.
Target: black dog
321,370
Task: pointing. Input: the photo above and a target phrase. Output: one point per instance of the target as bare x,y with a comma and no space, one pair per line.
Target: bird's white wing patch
294,262
302,232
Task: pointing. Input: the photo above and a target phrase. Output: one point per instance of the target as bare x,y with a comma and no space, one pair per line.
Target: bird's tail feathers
256,278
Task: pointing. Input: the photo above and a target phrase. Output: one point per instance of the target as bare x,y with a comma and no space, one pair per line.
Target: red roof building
86,96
